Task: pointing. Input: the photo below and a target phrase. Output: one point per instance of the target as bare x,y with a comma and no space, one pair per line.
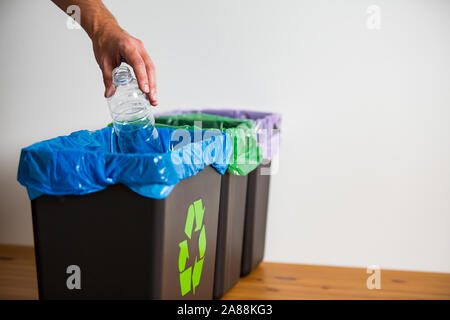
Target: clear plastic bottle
132,115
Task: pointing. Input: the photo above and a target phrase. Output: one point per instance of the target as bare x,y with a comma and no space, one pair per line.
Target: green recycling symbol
190,277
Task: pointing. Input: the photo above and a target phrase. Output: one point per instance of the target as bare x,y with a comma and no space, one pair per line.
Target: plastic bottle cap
122,75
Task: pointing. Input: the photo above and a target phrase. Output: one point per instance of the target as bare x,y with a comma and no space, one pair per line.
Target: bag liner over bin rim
89,161
246,153
263,121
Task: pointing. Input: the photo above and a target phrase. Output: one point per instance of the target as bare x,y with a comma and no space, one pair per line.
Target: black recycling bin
230,233
246,156
255,219
128,240
267,126
117,244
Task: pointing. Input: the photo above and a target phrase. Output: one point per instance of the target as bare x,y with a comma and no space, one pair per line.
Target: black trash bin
116,243
245,157
267,126
255,219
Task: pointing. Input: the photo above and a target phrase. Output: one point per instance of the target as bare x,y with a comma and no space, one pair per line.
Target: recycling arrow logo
190,277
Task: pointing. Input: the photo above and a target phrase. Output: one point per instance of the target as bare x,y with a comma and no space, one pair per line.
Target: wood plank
268,281
17,273
291,281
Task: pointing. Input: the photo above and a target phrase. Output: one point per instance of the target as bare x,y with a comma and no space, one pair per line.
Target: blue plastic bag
89,161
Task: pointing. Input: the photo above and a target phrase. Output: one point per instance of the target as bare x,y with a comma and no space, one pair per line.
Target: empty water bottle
132,115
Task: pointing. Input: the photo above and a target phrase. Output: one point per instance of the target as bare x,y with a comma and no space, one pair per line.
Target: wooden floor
269,281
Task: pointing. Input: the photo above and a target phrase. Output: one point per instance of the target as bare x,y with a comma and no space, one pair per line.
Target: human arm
111,43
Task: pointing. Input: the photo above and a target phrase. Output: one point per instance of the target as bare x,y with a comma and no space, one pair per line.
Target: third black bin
267,126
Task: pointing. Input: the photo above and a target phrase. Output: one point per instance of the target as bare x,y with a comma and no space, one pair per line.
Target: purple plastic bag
265,122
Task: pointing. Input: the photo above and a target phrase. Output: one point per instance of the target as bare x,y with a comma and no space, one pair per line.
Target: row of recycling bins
183,224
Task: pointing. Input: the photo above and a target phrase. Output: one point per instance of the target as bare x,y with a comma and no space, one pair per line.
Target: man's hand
112,44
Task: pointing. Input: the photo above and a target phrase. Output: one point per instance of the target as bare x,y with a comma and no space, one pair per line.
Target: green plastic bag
246,155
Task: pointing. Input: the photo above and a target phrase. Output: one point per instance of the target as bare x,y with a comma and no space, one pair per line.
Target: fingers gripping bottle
132,115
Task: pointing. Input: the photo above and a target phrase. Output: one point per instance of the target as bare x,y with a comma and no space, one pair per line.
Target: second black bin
230,233
255,219
244,159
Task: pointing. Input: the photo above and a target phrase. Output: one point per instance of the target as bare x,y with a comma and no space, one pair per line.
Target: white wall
364,168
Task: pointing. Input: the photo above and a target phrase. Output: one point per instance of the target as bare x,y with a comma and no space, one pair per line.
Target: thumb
109,90
107,79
